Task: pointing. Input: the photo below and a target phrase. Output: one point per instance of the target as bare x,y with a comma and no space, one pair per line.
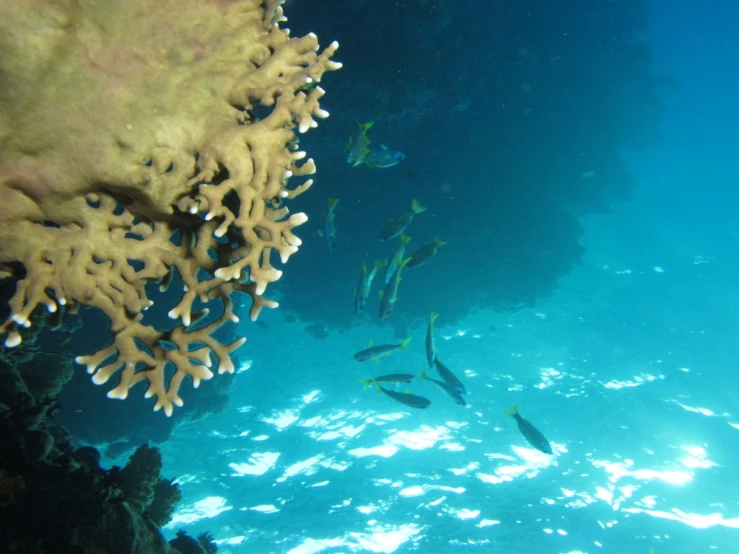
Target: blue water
603,304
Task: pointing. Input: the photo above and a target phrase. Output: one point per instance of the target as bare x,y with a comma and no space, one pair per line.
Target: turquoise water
627,366
580,160
624,368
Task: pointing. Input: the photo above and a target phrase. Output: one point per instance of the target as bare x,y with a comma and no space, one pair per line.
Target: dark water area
513,121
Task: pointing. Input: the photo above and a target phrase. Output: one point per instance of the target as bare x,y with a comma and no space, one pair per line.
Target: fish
328,233
451,391
399,223
389,296
383,158
392,378
530,433
360,297
364,287
430,348
407,398
375,352
425,252
358,145
448,377
392,264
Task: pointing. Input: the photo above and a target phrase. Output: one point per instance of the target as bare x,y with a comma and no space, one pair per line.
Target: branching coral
139,139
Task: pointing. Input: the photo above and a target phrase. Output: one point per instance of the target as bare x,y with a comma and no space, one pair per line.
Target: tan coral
129,147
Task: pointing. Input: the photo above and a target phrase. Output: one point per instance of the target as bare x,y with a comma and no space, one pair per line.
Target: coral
185,544
141,140
139,476
60,500
167,495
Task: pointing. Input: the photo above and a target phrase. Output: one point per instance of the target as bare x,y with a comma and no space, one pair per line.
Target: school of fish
360,153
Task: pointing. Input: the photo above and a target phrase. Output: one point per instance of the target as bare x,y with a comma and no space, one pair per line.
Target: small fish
384,157
364,287
358,145
448,377
430,348
399,223
375,352
389,296
328,233
451,391
392,264
392,378
360,294
410,400
530,433
425,252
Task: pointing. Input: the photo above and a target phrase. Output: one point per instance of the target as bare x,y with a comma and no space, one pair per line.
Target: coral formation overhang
139,139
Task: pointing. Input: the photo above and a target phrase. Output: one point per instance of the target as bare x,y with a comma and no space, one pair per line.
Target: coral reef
56,498
145,140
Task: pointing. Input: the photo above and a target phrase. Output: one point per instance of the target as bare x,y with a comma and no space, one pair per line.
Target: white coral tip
298,219
304,126
62,301
172,314
13,339
19,319
119,393
99,379
209,216
51,307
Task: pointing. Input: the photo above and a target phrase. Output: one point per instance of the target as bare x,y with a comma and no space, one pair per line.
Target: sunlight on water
420,490
702,411
383,539
265,509
385,451
206,508
282,420
259,463
636,381
693,520
421,439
